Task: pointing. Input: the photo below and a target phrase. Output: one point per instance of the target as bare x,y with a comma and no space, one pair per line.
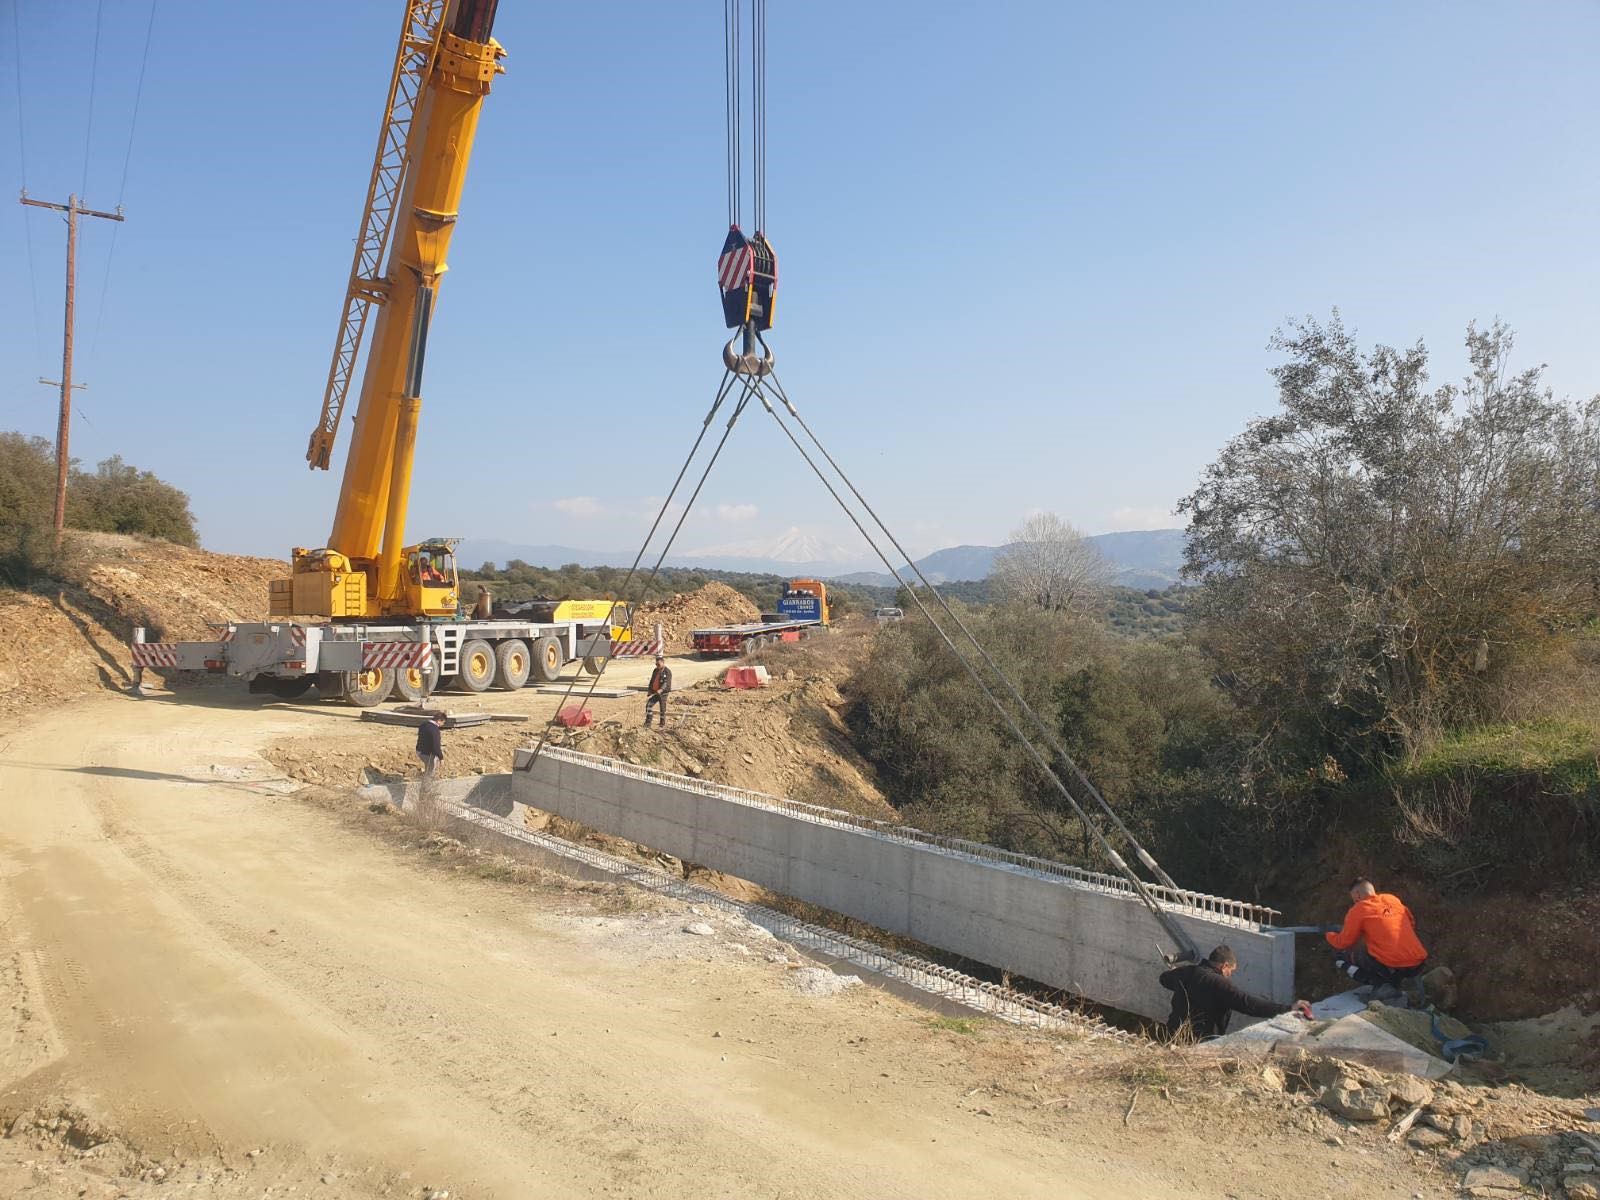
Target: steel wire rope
732,72
723,390
1164,919
22,161
122,185
759,117
1044,730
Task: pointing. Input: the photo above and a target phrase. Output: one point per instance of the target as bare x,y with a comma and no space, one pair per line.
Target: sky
1031,253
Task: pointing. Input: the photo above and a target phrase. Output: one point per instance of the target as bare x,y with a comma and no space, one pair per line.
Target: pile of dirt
72,638
788,739
682,613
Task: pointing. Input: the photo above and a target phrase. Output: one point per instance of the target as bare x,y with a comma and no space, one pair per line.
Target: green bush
115,498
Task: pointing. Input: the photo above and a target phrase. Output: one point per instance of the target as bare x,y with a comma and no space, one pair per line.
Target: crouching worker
1204,997
1378,945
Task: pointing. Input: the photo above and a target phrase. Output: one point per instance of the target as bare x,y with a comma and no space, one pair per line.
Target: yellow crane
444,66
391,621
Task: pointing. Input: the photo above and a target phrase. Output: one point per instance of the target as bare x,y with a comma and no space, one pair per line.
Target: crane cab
328,584
429,584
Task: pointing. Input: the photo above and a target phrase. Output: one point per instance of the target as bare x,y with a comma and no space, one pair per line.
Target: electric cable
122,185
94,76
22,160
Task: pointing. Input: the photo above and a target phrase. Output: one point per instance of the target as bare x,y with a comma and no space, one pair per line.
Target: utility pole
74,210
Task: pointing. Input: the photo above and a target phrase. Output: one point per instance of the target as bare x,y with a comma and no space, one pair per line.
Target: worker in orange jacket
1378,944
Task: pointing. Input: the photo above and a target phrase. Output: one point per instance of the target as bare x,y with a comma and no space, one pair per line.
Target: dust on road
254,993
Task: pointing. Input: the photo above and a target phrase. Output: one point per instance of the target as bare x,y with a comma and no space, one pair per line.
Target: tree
1050,565
119,498
27,499
1374,556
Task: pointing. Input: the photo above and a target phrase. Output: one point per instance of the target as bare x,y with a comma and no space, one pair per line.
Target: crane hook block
747,273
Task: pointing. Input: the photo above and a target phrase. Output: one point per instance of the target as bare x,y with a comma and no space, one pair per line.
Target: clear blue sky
1031,252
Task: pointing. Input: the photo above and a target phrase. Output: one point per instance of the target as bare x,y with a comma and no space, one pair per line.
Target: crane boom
445,65
413,61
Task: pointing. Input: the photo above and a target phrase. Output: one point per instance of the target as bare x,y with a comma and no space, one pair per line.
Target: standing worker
656,693
430,744
1378,945
1204,997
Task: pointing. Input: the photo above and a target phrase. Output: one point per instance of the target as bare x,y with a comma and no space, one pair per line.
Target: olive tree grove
1376,554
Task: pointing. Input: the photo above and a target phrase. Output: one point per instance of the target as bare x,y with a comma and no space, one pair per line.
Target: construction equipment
802,610
391,613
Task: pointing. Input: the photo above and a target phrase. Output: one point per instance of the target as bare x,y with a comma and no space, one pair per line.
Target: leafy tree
1376,555
119,498
1050,565
27,507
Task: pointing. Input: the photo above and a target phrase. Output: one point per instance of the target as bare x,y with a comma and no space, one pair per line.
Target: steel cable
1164,919
1044,730
723,390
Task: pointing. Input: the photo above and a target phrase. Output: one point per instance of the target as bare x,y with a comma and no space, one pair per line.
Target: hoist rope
1165,919
1038,722
758,108
728,380
731,69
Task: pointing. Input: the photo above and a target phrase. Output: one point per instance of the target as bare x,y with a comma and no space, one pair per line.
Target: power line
122,186
94,73
22,159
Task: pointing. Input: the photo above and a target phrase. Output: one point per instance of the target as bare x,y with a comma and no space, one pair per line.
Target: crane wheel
548,659
594,663
416,683
476,669
512,664
367,688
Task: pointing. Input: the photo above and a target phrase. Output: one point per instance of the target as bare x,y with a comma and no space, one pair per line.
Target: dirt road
213,968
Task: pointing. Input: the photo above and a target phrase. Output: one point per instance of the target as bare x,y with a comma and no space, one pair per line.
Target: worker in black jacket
660,687
430,743
1204,997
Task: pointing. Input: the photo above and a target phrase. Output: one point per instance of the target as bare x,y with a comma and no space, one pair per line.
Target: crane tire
416,683
364,689
512,664
475,669
548,659
291,689
594,663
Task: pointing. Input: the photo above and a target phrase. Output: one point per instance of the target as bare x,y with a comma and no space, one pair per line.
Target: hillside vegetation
114,498
1388,664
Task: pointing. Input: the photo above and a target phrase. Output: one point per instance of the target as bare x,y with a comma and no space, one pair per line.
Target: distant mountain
793,546
1144,559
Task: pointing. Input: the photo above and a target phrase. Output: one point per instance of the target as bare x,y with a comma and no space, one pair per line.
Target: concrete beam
1075,930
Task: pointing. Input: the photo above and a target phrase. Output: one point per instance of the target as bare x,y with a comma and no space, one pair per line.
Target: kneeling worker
1204,997
1391,953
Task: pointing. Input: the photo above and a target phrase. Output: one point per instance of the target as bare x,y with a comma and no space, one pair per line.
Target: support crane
390,612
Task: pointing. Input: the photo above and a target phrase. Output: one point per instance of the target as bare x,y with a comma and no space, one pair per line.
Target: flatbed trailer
366,663
741,639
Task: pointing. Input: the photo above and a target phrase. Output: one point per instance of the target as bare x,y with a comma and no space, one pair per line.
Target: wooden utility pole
74,210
